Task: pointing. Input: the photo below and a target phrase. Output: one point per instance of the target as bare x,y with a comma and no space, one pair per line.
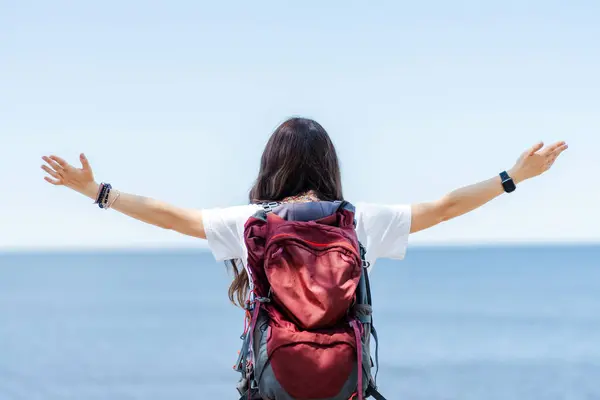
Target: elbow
444,218
167,227
166,221
446,209
170,223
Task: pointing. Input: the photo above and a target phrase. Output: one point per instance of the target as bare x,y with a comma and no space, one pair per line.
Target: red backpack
309,310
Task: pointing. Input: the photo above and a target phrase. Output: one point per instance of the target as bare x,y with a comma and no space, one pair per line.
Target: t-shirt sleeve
224,229
383,229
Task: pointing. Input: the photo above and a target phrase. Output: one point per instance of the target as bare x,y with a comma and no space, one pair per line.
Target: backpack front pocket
314,284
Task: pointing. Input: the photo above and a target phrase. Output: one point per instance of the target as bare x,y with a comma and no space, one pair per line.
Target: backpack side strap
374,333
366,304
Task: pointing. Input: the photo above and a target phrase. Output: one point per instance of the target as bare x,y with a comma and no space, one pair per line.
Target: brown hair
299,157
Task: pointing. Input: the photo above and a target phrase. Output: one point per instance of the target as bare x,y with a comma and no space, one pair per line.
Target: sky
176,99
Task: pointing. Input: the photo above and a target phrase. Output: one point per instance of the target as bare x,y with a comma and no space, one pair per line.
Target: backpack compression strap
252,394
374,393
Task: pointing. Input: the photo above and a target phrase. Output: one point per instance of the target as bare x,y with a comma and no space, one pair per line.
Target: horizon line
164,247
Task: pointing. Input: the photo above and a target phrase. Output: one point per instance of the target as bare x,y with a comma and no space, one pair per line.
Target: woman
300,158
299,164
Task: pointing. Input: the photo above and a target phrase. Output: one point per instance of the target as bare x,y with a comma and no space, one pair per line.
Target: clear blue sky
176,99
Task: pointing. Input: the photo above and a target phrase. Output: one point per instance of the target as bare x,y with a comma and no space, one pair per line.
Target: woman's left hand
536,160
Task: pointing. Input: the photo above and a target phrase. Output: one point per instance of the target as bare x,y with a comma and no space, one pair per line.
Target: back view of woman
300,166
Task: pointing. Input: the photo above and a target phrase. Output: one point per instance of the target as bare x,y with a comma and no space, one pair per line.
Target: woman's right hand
155,212
64,174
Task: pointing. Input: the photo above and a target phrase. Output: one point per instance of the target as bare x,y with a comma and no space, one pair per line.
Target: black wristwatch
507,182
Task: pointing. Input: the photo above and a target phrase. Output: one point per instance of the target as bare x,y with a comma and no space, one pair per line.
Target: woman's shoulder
379,217
373,209
230,215
235,209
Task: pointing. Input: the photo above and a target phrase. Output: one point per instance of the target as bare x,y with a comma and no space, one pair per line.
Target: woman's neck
302,198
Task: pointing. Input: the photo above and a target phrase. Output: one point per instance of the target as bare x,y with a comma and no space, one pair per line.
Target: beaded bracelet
104,201
103,196
106,194
100,195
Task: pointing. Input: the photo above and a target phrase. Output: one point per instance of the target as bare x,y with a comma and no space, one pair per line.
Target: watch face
509,185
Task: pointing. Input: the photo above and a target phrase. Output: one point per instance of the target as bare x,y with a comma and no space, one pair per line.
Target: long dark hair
299,157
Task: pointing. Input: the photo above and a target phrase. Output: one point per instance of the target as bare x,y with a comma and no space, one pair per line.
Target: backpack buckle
268,207
262,299
253,384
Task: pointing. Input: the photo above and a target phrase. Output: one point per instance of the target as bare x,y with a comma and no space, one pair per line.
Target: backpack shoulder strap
366,303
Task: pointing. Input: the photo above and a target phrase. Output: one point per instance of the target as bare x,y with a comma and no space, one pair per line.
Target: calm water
485,324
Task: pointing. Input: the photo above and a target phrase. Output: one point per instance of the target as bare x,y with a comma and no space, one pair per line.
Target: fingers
535,148
551,157
57,167
52,181
51,172
559,149
60,161
84,162
552,148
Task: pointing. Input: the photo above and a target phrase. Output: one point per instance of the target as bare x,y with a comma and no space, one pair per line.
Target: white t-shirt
382,229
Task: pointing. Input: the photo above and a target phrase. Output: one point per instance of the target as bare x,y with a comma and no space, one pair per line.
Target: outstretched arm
531,163
151,211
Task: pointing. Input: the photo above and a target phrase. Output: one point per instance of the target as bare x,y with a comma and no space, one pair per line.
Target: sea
468,323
